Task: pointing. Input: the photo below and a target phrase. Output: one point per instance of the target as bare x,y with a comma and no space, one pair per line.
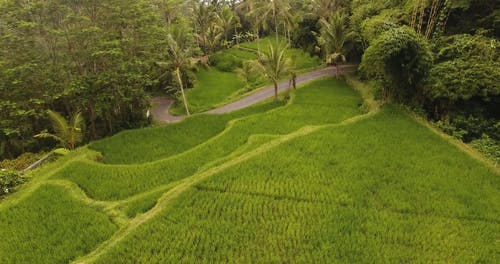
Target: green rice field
327,177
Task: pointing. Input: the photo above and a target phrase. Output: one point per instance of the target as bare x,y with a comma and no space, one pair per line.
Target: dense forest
104,58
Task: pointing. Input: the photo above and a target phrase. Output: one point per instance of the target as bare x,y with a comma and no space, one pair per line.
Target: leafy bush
476,126
463,79
225,62
400,59
469,128
488,147
21,162
9,180
450,129
466,74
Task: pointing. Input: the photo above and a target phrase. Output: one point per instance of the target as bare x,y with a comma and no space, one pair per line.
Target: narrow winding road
162,104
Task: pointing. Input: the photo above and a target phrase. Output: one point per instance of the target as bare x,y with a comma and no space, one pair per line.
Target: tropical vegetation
167,131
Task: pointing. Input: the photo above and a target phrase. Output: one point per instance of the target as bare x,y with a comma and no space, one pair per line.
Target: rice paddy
314,181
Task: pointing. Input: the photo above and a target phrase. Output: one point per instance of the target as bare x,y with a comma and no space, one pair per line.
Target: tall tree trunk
276,27
236,36
92,118
275,91
258,42
182,90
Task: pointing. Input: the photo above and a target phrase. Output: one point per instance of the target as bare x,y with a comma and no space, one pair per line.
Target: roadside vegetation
226,79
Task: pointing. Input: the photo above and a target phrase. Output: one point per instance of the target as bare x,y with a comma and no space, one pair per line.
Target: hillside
325,177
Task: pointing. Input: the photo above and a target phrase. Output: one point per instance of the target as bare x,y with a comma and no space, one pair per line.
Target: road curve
162,104
160,110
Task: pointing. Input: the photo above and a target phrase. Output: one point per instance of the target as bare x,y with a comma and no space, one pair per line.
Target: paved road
162,104
160,110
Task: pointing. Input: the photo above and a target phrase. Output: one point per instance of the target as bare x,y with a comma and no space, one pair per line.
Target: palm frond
59,124
49,135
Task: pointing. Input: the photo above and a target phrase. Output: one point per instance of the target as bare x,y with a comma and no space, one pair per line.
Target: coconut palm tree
253,13
179,55
69,134
332,38
323,9
272,10
228,21
274,63
204,23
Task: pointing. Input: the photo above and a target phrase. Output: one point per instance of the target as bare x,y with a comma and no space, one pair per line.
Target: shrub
400,59
21,162
9,180
450,129
225,62
488,147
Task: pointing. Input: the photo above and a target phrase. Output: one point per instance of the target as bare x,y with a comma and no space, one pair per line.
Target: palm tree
323,9
332,38
246,73
274,64
228,21
213,39
272,10
170,9
68,134
253,13
179,54
204,24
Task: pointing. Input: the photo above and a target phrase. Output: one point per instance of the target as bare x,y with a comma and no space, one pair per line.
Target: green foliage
9,180
469,127
463,86
467,67
451,130
332,37
61,54
21,162
68,134
274,64
488,147
222,84
463,80
400,59
373,27
249,76
224,61
53,228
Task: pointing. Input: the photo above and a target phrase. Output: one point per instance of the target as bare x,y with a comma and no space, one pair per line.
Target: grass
219,84
51,227
312,181
302,61
321,102
211,88
381,190
150,144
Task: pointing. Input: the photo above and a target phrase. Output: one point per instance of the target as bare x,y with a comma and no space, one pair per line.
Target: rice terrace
249,131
